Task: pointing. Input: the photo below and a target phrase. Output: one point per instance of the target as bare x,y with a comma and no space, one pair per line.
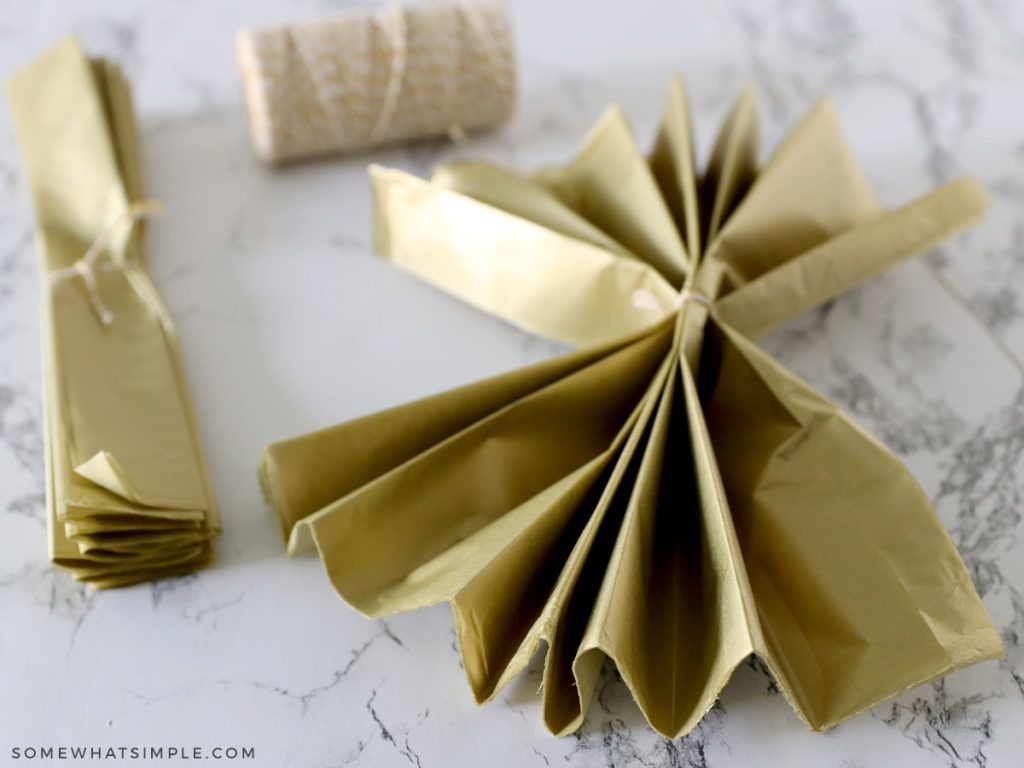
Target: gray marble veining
258,651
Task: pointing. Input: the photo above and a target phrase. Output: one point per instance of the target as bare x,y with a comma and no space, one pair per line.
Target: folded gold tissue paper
669,497
128,496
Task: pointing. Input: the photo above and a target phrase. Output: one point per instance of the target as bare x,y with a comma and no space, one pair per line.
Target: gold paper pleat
669,498
128,496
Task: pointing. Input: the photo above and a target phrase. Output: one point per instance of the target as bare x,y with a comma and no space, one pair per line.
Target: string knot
694,296
85,267
645,298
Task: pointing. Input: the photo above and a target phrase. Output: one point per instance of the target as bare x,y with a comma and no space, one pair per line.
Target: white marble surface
288,323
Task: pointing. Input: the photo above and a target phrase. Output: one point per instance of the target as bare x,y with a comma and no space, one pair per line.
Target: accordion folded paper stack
669,497
128,496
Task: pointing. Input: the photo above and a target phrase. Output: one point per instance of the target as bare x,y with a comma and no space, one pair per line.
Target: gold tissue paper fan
668,497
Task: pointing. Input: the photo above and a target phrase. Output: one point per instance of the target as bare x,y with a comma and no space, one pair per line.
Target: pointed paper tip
103,469
613,113
147,208
747,94
822,104
978,195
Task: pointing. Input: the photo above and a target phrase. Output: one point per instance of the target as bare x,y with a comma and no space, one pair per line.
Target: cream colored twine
492,51
324,86
392,22
85,267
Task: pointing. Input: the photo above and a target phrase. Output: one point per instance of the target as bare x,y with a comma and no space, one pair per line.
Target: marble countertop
257,651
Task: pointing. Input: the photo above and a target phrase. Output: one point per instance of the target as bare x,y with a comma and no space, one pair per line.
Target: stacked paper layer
128,495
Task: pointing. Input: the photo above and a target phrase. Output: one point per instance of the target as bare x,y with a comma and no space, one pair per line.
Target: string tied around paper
645,298
86,266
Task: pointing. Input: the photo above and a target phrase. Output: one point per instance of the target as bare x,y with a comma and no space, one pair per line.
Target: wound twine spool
361,79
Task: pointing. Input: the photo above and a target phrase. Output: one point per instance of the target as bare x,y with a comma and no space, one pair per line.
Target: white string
85,267
391,22
645,298
699,298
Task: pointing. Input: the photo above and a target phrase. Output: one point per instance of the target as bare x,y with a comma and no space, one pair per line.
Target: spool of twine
361,79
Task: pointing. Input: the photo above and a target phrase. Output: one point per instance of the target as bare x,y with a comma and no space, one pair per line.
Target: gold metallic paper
669,497
128,496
